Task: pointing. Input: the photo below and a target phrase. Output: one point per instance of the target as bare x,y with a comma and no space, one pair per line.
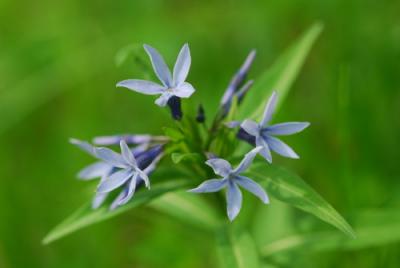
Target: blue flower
172,85
129,170
262,134
231,179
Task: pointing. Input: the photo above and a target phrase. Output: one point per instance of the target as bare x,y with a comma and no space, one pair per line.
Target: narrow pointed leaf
291,189
86,216
280,76
373,228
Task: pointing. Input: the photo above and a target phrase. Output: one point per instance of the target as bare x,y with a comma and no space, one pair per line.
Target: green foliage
290,188
373,228
280,76
190,209
86,216
236,248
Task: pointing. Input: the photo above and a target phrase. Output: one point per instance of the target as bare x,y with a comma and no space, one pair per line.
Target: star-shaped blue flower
172,85
118,170
264,133
231,180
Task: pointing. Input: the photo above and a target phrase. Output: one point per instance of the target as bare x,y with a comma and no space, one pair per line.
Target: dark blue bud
144,159
174,104
243,135
201,117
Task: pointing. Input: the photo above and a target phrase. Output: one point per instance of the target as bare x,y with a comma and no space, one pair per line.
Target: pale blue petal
142,86
129,139
253,188
251,127
233,124
121,195
115,181
265,151
184,90
210,186
220,166
163,99
144,177
127,154
281,148
83,145
269,110
110,157
286,128
160,67
131,191
98,200
233,200
182,65
247,160
95,170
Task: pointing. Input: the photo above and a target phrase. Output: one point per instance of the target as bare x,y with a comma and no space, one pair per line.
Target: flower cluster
140,154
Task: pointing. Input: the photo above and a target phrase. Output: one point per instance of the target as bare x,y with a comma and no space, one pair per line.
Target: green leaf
373,228
236,248
174,134
189,208
280,76
86,216
186,157
290,188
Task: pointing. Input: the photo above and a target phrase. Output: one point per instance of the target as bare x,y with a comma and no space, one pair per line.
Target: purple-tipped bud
243,90
174,104
236,82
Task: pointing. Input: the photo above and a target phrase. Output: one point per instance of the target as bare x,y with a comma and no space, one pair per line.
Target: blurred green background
57,80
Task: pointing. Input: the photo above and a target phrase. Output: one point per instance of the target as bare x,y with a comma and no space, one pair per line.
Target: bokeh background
58,69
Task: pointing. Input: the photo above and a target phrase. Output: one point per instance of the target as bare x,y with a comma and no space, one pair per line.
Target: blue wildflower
172,85
138,161
262,134
231,179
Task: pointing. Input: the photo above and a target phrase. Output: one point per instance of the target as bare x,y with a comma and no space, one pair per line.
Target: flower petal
121,195
253,188
163,99
220,166
233,200
265,151
210,186
286,128
115,180
184,90
95,170
83,145
281,148
142,86
160,67
127,154
98,200
247,160
144,177
131,191
110,157
251,127
182,65
269,109
232,124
